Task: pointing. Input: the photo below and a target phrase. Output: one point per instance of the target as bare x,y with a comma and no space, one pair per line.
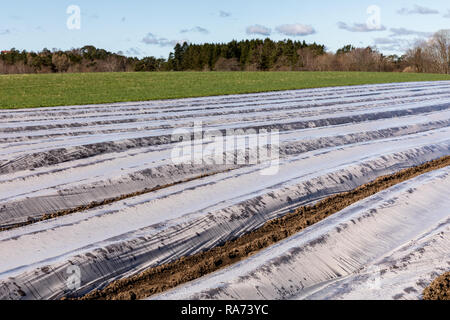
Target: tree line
86,59
248,55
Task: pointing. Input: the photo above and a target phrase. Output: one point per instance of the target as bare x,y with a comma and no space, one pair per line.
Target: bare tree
432,55
440,47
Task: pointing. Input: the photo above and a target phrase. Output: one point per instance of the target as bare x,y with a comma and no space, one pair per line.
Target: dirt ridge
439,289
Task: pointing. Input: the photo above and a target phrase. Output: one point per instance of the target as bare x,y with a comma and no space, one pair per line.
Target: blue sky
152,27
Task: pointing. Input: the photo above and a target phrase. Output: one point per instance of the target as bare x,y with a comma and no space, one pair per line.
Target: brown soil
159,279
439,289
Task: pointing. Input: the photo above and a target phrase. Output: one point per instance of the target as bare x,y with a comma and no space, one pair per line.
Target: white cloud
359,27
396,44
151,39
295,29
447,15
392,44
224,14
134,52
195,29
417,10
408,32
385,40
259,29
4,32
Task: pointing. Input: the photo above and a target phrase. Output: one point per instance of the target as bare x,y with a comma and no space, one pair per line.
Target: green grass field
43,90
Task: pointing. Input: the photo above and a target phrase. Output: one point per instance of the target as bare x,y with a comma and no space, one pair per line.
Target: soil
439,289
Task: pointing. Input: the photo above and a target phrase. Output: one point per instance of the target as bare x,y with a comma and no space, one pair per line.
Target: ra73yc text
235,310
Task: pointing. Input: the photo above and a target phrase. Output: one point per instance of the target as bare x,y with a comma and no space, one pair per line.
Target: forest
431,56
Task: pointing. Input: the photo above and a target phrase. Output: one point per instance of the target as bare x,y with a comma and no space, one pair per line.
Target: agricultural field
45,90
140,200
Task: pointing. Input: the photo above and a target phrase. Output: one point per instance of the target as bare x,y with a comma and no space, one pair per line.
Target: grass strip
47,90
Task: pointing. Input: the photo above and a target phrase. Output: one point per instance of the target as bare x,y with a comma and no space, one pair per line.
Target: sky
152,28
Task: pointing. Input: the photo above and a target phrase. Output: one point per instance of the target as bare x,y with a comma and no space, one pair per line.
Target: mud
439,289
